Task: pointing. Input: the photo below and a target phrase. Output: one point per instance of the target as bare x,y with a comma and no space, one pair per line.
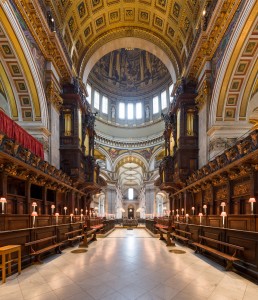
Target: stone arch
129,42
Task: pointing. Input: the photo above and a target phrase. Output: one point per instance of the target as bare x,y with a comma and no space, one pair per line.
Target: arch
27,61
232,55
128,42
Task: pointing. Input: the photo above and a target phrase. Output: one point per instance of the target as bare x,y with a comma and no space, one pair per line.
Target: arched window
130,114
121,110
155,105
104,105
130,193
138,110
164,100
96,100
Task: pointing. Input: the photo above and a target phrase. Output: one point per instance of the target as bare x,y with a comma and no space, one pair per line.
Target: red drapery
21,136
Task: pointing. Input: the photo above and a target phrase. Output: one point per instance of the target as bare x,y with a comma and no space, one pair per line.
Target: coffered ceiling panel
84,23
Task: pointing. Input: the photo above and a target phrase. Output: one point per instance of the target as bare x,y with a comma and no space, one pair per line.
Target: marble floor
127,265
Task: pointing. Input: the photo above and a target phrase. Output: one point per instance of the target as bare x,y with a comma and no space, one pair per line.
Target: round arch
128,42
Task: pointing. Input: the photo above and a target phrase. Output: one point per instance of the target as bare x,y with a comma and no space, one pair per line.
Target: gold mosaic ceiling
89,24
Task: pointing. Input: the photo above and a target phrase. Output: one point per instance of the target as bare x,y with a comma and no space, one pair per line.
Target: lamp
193,208
223,215
205,209
34,204
223,204
34,214
186,217
71,216
57,215
52,208
3,201
252,201
200,215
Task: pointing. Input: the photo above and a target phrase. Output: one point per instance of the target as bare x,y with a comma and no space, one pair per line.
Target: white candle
52,208
182,211
34,214
71,215
223,214
57,214
81,217
200,215
205,208
76,209
193,208
65,209
3,201
34,204
177,217
186,216
173,212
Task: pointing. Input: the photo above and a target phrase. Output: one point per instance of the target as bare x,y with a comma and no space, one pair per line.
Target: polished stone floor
127,265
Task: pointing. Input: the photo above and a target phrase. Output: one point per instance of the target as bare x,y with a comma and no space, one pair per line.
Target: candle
81,217
3,201
177,211
52,208
173,212
76,209
200,215
81,211
86,212
186,217
223,214
34,204
182,211
71,215
177,217
205,209
34,214
193,208
56,214
252,201
65,209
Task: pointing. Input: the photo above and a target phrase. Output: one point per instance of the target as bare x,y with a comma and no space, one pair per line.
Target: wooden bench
73,236
36,250
89,235
164,227
229,258
182,235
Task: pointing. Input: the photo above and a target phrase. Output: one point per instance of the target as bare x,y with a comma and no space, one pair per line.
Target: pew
89,235
230,258
164,226
38,247
73,236
182,235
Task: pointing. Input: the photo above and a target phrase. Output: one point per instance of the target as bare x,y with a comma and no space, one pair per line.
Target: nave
127,265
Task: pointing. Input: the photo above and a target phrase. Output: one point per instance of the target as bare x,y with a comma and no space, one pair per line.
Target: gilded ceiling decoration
130,71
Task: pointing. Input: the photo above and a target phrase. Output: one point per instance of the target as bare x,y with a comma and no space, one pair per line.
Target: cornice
46,39
210,39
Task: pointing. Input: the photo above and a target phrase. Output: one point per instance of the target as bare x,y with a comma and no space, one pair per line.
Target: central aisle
127,265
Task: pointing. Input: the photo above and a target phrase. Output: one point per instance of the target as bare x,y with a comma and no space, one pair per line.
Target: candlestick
3,201
193,208
200,215
205,209
52,208
252,201
65,209
186,217
71,215
56,214
223,214
34,214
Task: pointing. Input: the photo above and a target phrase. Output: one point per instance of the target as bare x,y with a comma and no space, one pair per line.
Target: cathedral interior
128,114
